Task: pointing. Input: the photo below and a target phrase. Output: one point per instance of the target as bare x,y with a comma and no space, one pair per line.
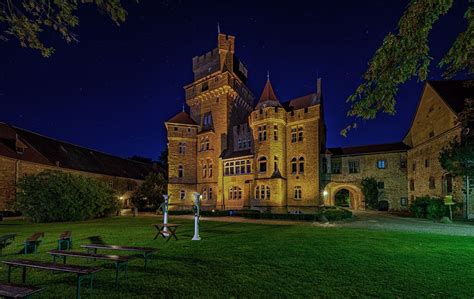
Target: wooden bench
6,240
82,272
167,231
34,240
10,290
146,251
65,237
121,261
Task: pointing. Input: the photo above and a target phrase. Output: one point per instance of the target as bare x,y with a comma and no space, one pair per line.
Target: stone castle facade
271,156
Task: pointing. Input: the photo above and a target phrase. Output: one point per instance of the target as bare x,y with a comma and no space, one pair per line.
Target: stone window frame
210,195
209,169
182,148
262,192
230,167
275,132
294,134
300,133
182,194
262,161
334,169
301,165
180,171
298,192
262,133
204,170
294,166
355,167
204,193
412,185
403,201
235,193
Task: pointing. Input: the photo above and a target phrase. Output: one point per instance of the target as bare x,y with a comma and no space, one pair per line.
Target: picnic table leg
117,266
26,247
91,281
78,287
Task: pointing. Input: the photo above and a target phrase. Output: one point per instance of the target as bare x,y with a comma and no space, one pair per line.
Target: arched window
210,193
182,194
325,165
432,183
262,192
257,192
262,164
293,166
235,193
206,143
301,165
204,170
204,193
180,171
210,170
268,192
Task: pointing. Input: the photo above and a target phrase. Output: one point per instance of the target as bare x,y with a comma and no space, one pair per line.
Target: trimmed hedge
52,196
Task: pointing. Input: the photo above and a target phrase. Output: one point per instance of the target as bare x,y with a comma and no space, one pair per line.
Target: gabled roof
302,102
268,97
454,92
367,149
182,118
44,150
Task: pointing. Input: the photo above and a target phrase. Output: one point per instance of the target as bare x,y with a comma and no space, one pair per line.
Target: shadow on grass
96,240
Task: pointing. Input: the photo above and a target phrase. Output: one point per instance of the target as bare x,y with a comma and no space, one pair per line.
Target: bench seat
11,290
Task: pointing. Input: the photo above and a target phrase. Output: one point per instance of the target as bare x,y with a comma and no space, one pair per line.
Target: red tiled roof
182,118
268,97
366,149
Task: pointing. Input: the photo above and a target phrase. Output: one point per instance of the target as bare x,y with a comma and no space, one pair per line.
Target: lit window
204,193
403,201
381,164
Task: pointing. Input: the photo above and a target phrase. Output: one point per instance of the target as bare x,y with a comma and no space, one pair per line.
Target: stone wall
12,170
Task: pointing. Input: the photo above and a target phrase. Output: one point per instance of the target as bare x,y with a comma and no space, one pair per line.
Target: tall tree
405,54
24,20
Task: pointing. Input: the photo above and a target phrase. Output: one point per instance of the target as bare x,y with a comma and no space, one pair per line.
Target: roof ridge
75,145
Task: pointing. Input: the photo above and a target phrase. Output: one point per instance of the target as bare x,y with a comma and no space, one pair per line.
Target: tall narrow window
249,167
204,193
413,166
204,171
182,148
381,164
412,185
262,192
182,194
180,171
293,166
226,168
275,163
301,165
448,184
262,164
232,168
206,142
336,166
268,192
427,163
432,183
210,170
264,133
300,134
242,167
297,192
293,134
257,192
210,193
275,132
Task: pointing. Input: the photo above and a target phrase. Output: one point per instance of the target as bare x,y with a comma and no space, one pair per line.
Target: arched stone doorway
356,197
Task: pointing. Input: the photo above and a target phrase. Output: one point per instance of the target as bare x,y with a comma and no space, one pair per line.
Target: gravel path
366,220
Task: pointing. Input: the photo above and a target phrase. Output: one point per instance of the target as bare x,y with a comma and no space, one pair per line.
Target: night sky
114,90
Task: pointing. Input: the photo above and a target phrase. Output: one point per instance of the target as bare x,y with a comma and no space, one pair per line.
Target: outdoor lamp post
196,207
165,212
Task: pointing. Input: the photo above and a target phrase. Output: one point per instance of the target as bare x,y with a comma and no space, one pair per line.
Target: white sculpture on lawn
196,208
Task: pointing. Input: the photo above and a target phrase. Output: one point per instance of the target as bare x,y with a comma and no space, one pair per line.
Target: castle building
272,155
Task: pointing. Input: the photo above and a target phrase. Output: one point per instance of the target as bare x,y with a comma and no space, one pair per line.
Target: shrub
337,214
371,192
57,196
428,207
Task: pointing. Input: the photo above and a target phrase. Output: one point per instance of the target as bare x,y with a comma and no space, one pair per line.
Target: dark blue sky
114,89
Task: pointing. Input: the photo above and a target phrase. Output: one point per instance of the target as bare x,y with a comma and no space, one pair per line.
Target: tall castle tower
218,99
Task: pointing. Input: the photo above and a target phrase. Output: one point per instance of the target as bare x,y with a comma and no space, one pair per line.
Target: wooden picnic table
167,230
121,261
65,237
34,240
11,290
6,240
146,251
82,272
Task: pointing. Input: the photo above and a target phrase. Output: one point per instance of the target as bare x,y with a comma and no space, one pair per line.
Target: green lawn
249,260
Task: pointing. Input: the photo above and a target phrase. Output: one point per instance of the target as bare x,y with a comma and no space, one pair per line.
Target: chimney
318,89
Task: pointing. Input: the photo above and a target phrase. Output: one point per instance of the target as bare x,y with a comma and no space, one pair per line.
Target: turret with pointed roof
268,97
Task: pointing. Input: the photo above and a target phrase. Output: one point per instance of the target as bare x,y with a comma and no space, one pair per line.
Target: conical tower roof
268,97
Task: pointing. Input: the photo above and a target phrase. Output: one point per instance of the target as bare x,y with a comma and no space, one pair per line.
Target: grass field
251,260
